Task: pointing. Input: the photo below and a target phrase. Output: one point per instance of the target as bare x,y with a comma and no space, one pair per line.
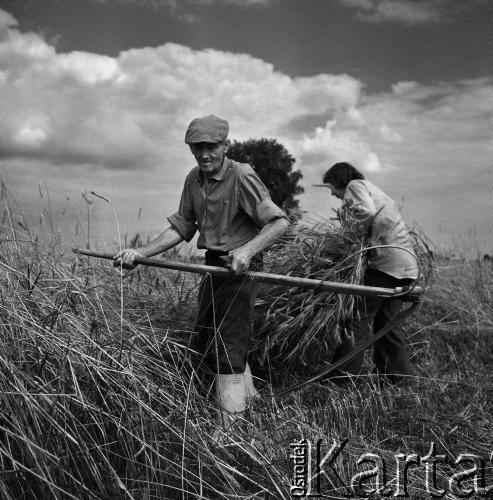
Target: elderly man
236,219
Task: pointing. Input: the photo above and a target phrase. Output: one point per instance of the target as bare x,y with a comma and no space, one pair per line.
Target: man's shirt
369,206
228,209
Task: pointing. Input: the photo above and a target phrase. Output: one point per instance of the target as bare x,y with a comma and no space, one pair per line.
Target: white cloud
30,136
405,87
87,68
389,134
7,20
123,118
442,127
132,110
119,112
330,145
430,135
18,49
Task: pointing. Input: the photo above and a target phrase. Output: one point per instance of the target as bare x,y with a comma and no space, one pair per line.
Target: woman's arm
358,204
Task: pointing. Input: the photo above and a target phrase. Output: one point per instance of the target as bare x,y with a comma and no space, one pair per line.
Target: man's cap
209,128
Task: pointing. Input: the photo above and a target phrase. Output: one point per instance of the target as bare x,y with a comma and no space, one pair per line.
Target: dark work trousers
225,318
390,354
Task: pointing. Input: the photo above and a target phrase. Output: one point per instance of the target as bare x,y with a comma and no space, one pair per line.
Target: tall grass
99,398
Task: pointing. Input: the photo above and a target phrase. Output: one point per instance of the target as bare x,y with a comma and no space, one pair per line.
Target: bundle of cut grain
302,327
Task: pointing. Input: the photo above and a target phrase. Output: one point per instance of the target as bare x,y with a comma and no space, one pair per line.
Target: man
236,219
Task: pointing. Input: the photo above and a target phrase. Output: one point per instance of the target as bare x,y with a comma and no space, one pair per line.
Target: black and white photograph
246,249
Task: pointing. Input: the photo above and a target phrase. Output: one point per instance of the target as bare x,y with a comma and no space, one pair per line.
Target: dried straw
298,326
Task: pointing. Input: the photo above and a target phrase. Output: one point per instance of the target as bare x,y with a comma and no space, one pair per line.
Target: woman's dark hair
341,174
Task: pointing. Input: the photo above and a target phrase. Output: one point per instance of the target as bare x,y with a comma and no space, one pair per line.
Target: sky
96,95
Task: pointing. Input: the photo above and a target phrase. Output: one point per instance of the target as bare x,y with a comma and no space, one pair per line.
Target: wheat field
100,400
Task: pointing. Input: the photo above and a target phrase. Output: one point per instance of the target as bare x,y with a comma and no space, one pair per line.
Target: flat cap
209,128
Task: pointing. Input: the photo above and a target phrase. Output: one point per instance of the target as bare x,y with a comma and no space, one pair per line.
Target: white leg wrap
231,396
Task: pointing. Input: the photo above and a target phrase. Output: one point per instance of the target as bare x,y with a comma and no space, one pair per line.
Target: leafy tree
274,165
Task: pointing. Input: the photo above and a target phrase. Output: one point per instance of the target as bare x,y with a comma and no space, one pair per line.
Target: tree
274,165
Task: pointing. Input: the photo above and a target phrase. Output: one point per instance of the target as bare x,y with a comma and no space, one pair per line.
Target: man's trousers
225,318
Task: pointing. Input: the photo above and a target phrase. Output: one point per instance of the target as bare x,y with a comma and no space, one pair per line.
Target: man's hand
125,258
239,260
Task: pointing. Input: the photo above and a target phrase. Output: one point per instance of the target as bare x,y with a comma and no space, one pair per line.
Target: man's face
209,155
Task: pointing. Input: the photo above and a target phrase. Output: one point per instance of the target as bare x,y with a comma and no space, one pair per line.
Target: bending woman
367,205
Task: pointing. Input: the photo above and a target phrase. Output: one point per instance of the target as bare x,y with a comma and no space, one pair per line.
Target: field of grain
100,399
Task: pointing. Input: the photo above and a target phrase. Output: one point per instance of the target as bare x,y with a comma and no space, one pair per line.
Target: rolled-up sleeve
184,220
255,200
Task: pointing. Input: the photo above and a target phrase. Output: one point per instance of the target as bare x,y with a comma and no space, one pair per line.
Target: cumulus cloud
6,20
116,125
80,108
329,144
427,133
29,136
131,111
435,129
123,119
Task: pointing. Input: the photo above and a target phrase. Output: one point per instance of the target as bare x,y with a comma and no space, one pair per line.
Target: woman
367,205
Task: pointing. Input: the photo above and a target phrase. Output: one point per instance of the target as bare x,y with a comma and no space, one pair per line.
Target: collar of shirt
217,177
